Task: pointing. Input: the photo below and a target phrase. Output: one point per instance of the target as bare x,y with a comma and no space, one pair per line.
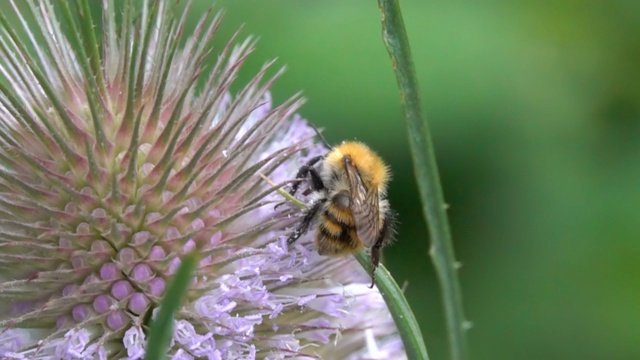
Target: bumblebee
349,192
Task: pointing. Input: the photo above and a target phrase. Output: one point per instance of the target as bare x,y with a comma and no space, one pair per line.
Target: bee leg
383,239
316,182
303,226
375,261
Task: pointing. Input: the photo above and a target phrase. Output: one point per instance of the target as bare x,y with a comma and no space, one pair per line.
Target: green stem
424,162
403,317
162,326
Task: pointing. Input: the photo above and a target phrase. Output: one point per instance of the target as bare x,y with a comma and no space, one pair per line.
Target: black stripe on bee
344,235
331,217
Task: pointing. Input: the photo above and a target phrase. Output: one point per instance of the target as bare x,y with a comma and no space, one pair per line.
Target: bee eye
342,200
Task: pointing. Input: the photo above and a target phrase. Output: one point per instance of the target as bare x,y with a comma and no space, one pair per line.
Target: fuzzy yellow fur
371,167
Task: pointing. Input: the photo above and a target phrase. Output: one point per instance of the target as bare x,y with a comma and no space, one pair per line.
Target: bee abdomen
330,228
332,244
333,229
341,216
335,236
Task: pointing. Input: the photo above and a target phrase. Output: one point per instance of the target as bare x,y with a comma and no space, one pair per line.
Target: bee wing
364,206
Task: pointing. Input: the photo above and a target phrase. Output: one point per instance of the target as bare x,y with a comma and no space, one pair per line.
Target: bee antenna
320,136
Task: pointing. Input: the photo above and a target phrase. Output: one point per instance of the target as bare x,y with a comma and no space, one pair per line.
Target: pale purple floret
135,342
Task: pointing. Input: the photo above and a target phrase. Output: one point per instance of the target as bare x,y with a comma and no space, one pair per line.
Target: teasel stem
434,207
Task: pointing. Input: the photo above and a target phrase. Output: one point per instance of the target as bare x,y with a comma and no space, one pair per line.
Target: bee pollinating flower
350,200
120,156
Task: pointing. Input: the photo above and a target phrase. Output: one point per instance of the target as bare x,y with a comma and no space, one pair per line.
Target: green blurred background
535,114
534,109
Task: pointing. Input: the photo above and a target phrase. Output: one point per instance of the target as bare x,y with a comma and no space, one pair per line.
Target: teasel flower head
120,155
